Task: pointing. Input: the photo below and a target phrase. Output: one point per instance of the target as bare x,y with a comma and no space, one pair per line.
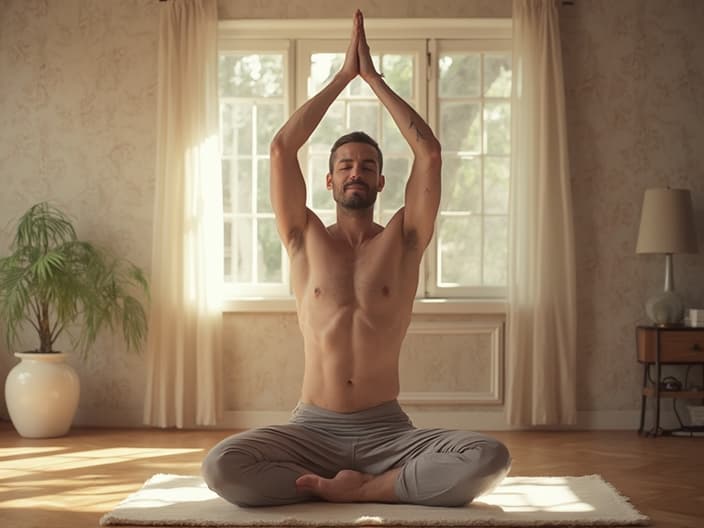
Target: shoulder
298,237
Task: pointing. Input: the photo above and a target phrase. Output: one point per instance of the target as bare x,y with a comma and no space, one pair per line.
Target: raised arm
423,188
288,188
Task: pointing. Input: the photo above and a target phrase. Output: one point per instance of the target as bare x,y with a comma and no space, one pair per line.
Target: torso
354,306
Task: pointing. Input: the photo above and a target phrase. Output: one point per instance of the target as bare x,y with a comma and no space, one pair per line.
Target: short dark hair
355,137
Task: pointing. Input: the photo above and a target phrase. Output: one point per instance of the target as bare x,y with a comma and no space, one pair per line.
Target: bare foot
346,486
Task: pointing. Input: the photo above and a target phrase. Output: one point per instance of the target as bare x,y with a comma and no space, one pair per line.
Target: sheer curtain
541,343
185,323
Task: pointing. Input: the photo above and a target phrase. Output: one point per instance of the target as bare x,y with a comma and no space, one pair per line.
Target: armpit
410,239
294,240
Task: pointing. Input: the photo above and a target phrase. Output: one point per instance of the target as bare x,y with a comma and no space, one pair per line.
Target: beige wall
77,125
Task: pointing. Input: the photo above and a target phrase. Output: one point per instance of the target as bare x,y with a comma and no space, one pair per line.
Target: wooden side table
667,345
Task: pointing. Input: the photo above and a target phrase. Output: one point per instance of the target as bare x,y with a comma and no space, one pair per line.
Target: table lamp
666,227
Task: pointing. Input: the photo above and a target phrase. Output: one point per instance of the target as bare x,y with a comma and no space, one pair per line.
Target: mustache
344,188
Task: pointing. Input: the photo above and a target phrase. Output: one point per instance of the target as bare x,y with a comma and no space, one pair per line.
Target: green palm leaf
52,280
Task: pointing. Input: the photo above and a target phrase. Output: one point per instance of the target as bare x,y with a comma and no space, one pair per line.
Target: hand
350,68
366,66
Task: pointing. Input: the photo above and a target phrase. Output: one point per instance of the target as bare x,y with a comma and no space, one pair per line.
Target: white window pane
250,75
242,250
227,175
269,252
263,179
236,128
398,73
322,68
460,127
364,117
321,197
459,75
497,119
497,75
327,217
227,250
461,184
396,172
242,184
392,141
330,128
385,216
459,255
270,117
358,87
495,250
496,183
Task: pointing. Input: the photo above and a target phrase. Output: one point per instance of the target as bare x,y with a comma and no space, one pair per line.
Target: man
354,281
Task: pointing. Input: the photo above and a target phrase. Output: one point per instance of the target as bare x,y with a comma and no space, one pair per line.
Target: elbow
435,149
277,146
434,152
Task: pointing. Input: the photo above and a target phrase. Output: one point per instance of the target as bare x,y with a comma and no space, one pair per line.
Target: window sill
420,306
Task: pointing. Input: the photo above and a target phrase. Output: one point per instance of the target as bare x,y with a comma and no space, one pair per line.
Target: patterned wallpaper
634,72
77,126
77,121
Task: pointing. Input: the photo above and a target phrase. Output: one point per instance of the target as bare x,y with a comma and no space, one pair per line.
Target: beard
356,200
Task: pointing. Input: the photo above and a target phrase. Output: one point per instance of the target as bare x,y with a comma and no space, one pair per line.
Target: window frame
437,47
285,35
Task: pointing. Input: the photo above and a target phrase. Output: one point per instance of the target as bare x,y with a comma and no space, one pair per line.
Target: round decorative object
42,392
665,308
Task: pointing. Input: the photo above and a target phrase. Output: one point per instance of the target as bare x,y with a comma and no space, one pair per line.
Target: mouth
354,186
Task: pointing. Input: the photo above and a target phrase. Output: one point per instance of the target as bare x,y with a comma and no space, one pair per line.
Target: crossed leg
291,463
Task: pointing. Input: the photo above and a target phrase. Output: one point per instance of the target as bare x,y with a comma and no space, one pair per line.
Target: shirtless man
354,282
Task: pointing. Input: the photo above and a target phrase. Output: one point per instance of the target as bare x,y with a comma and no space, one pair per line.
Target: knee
483,475
496,457
224,473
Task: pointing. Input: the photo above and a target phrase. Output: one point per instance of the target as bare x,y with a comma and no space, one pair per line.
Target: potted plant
53,282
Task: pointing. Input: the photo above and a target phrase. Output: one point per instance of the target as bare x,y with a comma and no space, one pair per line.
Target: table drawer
676,346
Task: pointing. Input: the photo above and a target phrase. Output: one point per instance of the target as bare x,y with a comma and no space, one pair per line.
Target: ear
381,183
328,181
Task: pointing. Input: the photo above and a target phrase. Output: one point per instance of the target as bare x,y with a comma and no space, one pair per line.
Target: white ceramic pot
42,392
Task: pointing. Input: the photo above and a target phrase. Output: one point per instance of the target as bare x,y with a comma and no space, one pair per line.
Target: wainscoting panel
453,363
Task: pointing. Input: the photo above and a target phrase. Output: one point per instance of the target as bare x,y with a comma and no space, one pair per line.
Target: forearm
415,130
303,122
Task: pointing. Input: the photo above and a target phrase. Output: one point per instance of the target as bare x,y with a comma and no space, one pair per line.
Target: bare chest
375,278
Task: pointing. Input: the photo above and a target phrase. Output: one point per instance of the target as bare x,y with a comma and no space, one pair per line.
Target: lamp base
665,308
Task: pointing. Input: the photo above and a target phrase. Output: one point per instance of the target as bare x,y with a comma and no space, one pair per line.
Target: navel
385,291
349,382
317,292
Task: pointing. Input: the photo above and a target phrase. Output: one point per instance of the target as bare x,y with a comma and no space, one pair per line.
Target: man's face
355,180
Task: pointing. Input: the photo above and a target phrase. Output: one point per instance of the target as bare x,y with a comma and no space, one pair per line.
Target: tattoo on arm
419,134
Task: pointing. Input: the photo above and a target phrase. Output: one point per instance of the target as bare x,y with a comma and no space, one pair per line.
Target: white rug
175,500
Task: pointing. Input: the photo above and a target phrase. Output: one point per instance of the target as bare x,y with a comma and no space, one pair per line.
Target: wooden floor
70,482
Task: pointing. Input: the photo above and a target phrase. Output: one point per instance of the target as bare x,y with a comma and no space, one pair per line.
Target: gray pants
440,467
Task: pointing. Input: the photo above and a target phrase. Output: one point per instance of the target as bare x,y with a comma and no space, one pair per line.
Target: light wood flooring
70,482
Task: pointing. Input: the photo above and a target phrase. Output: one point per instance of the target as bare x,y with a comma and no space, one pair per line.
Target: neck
355,225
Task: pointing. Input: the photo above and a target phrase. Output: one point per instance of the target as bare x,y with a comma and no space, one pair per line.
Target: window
461,86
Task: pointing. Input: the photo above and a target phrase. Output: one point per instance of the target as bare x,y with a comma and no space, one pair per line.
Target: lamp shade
667,222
